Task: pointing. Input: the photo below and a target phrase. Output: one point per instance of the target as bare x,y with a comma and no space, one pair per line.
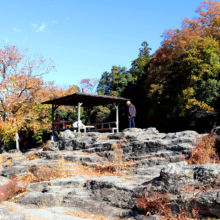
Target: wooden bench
104,126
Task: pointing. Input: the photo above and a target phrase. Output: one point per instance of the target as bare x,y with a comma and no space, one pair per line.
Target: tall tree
21,91
115,82
139,64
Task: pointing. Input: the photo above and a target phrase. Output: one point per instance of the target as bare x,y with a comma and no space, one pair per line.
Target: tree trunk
2,145
17,141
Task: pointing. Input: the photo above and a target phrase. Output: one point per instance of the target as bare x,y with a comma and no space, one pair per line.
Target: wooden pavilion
88,101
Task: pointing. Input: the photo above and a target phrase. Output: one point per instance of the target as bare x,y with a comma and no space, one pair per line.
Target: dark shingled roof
86,98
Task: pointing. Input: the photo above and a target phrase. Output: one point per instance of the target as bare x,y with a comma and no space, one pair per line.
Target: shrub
44,173
11,189
118,157
118,164
154,203
160,204
46,145
204,151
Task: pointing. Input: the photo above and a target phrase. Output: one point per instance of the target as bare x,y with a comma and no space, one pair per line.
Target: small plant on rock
46,145
12,189
118,157
154,203
44,173
204,151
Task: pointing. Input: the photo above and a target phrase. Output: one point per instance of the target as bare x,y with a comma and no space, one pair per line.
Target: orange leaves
209,20
186,58
204,151
22,90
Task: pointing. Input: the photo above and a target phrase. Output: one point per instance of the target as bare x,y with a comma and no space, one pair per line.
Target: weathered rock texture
155,165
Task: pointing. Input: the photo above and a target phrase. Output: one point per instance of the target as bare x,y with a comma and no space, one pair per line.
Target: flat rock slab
24,213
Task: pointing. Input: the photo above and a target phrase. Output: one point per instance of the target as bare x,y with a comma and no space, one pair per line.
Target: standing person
131,113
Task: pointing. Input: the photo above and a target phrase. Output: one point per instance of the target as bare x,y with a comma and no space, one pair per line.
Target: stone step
95,207
155,161
55,213
148,173
75,182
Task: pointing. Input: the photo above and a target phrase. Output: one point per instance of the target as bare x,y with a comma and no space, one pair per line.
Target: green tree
139,64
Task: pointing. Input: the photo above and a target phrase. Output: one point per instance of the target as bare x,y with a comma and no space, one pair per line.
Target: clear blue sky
84,38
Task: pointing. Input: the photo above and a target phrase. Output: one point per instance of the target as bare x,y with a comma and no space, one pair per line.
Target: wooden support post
117,121
79,104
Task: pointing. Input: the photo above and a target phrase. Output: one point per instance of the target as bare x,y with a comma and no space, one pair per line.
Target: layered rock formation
153,163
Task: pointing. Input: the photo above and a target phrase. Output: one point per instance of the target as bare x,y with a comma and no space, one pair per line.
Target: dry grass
84,215
204,151
104,138
8,163
157,203
154,203
46,145
12,191
63,169
116,167
32,156
1,158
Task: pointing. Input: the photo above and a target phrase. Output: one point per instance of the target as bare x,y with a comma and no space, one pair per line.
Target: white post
78,116
117,121
79,104
17,141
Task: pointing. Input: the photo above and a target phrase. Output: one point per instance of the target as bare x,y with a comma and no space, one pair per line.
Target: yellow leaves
189,92
192,103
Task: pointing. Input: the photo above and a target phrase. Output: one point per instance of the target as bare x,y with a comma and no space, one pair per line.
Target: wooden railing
63,125
104,126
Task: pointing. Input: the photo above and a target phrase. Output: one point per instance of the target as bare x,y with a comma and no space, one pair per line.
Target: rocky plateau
153,164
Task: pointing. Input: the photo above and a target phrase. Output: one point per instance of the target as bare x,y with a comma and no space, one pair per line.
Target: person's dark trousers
131,122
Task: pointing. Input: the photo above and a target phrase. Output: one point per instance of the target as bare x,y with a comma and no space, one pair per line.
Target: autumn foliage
204,151
22,90
187,58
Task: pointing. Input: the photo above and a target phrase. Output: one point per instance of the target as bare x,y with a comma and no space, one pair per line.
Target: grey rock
128,130
54,146
67,136
193,134
6,213
209,203
152,131
14,171
39,199
207,172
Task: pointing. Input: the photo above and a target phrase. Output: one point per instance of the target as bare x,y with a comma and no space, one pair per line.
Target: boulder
209,203
207,173
14,171
39,199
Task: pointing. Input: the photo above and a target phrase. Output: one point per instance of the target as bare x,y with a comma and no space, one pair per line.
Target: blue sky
84,38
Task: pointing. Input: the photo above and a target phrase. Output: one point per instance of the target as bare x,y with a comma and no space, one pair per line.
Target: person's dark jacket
131,111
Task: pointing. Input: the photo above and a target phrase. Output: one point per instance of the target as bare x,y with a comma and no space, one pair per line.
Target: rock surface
153,164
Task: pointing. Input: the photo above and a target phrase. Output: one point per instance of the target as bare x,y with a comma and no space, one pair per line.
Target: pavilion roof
87,99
